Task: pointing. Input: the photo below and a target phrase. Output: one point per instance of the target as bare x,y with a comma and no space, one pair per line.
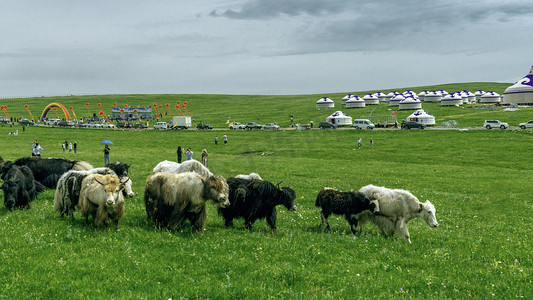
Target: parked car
139,126
66,123
363,124
236,125
253,125
25,122
160,125
271,126
203,125
528,124
412,124
489,124
83,124
108,125
327,125
94,125
52,122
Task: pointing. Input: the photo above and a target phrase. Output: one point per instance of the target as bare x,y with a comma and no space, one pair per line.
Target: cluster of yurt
521,92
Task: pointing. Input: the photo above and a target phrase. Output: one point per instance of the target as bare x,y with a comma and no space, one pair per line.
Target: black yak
48,170
256,199
19,187
348,204
171,198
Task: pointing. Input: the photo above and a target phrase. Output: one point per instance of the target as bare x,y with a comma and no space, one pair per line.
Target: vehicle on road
107,125
203,125
271,126
236,125
25,122
489,124
253,125
161,125
528,124
139,126
65,123
181,122
94,125
412,124
327,125
363,124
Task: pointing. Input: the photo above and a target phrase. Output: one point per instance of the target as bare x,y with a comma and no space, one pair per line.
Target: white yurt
454,99
381,96
346,98
471,97
464,95
433,97
325,102
422,95
355,102
409,103
339,118
395,101
521,92
491,97
421,116
371,99
390,95
478,95
443,93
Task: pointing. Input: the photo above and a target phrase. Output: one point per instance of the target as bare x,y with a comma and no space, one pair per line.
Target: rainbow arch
56,105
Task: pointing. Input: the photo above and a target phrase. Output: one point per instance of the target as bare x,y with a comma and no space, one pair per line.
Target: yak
101,197
397,207
48,170
20,188
349,204
171,198
256,199
120,168
187,166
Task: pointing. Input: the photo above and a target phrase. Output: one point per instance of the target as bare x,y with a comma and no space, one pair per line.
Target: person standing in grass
189,154
70,147
38,150
180,153
107,158
359,143
225,139
216,140
204,157
371,143
75,147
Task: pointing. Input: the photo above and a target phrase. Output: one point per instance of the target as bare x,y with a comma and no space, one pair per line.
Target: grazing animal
349,204
120,168
250,176
48,170
171,198
20,188
101,197
256,199
187,166
397,207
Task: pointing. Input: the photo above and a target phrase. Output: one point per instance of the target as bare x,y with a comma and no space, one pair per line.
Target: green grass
477,179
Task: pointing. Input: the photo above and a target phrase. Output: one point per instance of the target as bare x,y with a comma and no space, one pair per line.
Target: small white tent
325,102
521,92
370,99
410,103
454,99
421,116
491,97
339,118
433,97
354,102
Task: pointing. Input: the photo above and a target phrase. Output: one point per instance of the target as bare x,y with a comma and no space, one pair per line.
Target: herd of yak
177,192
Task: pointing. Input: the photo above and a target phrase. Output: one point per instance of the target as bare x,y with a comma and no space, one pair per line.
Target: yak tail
39,187
82,166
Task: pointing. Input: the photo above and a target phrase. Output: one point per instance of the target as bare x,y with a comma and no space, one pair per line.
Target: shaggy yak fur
20,188
101,197
249,176
120,168
171,198
397,207
256,199
48,170
187,166
349,204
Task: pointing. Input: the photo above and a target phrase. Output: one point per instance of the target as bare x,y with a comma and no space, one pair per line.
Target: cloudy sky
258,46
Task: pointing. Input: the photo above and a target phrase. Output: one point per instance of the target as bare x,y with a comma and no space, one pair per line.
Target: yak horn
124,181
292,184
277,184
99,182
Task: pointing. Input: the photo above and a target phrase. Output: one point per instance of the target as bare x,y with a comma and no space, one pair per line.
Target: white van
363,124
160,125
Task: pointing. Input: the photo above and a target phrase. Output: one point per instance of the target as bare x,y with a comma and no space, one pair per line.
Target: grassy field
478,181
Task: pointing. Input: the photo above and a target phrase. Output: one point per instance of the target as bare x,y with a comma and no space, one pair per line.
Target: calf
397,207
349,204
256,199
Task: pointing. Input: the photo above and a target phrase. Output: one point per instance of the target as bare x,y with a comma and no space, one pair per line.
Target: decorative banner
103,115
125,105
135,112
162,114
168,108
157,112
185,107
115,104
55,109
4,107
121,113
88,108
178,107
100,105
28,109
73,112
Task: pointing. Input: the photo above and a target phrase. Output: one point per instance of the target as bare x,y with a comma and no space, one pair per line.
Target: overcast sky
258,46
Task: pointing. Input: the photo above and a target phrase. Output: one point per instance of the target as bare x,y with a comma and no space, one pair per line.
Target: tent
395,101
433,96
491,97
421,116
410,103
521,92
325,102
478,95
454,99
346,98
355,102
370,99
339,118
